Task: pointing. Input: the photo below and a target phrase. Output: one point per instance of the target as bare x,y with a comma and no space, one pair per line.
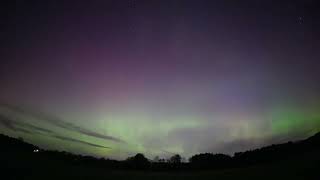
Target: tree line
16,151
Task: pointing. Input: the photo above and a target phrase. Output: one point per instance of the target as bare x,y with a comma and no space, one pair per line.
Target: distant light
36,150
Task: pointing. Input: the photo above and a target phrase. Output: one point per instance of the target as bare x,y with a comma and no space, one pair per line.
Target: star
300,19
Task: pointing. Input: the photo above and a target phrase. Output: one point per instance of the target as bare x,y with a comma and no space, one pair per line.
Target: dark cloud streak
79,141
13,124
60,123
16,126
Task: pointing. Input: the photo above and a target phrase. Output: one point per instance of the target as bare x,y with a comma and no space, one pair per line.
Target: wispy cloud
59,123
78,141
14,125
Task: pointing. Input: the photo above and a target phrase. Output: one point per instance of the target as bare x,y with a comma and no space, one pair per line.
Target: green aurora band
155,138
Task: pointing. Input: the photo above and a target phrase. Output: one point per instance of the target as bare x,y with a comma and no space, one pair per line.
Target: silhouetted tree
139,161
176,159
156,159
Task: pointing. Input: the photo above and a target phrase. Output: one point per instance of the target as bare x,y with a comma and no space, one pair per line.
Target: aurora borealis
114,78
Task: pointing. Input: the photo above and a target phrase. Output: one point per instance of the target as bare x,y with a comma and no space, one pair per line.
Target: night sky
116,78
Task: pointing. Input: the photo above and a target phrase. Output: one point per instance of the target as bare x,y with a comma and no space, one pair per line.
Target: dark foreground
302,162
299,169
302,169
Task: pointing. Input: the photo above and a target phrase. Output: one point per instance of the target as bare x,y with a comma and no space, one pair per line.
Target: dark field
307,168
